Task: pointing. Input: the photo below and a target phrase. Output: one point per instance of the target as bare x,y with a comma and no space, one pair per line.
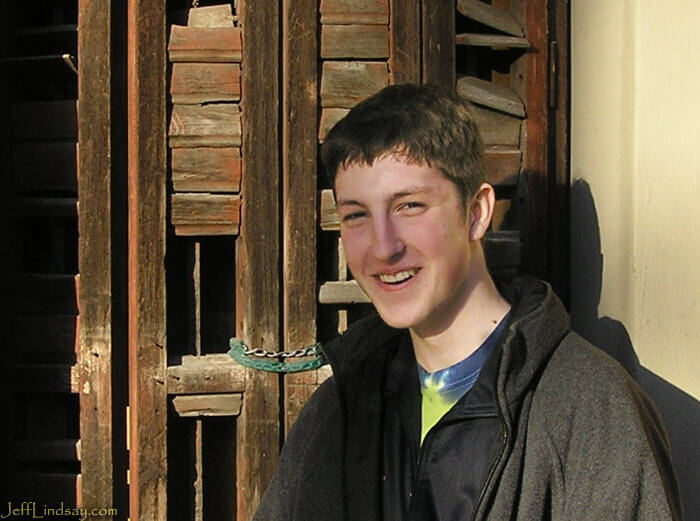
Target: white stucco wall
635,141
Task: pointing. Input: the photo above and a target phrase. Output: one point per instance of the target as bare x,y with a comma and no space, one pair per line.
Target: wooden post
257,249
146,172
439,43
559,147
404,62
94,255
299,166
535,163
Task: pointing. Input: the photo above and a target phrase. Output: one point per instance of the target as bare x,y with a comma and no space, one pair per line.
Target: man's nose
388,245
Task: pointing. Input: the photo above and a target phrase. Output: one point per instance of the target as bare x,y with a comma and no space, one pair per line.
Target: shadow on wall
680,411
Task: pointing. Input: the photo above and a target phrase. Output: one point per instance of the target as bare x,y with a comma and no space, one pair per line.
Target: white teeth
397,277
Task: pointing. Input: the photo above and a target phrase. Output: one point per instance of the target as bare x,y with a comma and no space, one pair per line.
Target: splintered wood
205,125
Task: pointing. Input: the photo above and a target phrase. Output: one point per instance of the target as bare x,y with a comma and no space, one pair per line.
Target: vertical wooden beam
559,148
299,166
257,249
146,185
439,42
535,164
405,46
94,254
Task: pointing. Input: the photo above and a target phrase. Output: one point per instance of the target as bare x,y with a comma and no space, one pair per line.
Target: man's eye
353,216
412,207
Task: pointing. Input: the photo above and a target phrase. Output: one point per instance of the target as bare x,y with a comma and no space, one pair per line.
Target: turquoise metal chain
270,360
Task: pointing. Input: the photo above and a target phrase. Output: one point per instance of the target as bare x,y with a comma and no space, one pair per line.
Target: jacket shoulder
604,430
582,383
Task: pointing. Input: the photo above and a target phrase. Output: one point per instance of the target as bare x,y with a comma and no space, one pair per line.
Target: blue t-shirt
442,389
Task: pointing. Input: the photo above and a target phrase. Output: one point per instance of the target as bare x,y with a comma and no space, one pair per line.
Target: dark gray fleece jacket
580,441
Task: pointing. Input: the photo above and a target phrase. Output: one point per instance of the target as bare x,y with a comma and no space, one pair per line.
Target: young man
463,401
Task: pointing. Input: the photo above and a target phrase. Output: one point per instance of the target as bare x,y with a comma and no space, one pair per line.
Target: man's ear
480,211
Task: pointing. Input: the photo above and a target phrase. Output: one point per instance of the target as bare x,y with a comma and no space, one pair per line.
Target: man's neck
482,312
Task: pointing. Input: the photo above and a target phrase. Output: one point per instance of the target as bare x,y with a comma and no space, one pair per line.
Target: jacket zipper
440,425
492,470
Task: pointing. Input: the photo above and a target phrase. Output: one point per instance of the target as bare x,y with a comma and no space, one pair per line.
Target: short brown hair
418,123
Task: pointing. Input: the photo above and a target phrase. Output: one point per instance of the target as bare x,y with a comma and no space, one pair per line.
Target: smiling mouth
397,278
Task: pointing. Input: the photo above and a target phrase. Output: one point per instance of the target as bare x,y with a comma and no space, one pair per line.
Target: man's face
406,240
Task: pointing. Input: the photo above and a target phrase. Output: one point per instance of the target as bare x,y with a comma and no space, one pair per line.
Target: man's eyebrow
412,190
348,202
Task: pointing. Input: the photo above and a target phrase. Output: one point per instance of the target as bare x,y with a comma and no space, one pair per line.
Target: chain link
264,360
311,350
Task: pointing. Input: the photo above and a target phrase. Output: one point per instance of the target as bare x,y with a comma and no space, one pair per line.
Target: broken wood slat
494,17
405,40
502,165
206,169
329,117
48,450
202,405
495,41
490,95
342,266
497,128
258,250
45,120
205,214
204,44
329,217
43,333
354,41
217,373
344,84
51,489
45,207
502,249
39,167
438,23
354,12
299,184
50,378
194,83
210,16
216,125
342,292
44,293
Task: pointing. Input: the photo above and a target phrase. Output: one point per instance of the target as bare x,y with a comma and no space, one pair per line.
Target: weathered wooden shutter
57,264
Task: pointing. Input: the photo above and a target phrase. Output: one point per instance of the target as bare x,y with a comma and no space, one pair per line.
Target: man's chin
395,320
